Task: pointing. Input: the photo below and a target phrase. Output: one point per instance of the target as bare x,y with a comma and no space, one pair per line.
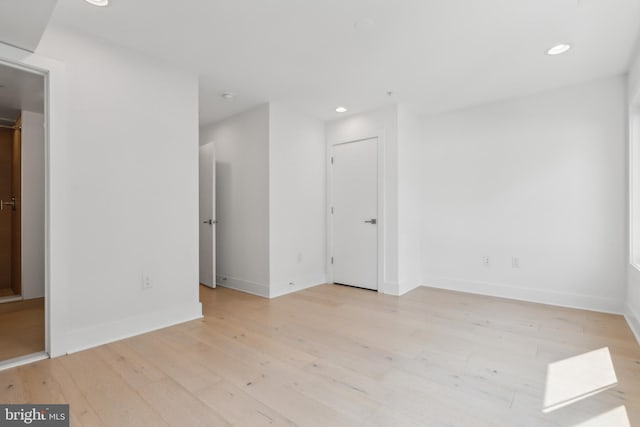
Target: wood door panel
6,173
16,221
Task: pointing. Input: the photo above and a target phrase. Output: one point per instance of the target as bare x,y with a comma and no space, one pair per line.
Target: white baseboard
93,336
242,285
397,289
390,288
543,296
408,288
633,319
12,298
287,289
23,360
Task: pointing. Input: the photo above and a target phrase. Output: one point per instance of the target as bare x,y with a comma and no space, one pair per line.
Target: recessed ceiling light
100,3
341,109
559,48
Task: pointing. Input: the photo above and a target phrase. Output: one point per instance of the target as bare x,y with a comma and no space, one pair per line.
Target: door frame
380,135
214,216
16,191
56,204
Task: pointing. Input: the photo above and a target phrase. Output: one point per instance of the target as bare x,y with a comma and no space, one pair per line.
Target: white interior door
207,212
355,213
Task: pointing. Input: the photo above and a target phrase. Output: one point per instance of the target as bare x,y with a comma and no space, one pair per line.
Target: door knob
12,203
372,221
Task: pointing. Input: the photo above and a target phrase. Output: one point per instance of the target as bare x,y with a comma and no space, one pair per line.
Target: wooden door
10,216
6,216
16,220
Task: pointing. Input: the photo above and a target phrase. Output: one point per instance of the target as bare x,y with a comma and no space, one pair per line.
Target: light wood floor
335,355
21,328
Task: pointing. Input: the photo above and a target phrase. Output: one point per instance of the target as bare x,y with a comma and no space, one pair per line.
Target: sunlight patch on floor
614,418
571,380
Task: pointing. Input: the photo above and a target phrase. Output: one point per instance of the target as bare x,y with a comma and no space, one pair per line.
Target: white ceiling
316,54
22,22
19,91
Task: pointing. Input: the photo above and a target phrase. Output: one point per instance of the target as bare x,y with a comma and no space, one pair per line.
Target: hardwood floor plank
179,365
135,370
112,399
11,387
239,407
48,382
339,356
177,406
22,330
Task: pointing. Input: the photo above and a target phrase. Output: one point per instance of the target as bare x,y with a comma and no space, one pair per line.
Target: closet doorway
22,214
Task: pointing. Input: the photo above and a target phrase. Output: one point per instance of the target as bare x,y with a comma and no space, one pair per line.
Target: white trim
380,136
265,291
541,296
633,319
11,298
391,288
382,202
57,261
288,289
634,175
329,216
23,360
242,285
406,291
120,329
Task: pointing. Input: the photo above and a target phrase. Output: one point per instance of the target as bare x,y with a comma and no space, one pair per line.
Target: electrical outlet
515,262
146,282
485,260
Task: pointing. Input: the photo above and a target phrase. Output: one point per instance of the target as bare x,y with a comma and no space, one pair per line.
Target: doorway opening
22,213
207,197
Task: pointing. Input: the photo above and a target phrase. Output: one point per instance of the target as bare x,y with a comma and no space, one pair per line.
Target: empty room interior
320,213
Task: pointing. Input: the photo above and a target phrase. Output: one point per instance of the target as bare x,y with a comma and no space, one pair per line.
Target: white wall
242,199
633,78
410,190
383,122
33,181
132,202
633,286
632,309
541,178
297,188
270,200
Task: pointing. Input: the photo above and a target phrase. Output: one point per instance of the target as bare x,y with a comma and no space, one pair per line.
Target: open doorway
22,213
207,186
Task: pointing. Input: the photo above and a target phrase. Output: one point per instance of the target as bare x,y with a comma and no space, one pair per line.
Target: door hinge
331,159
331,260
331,210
